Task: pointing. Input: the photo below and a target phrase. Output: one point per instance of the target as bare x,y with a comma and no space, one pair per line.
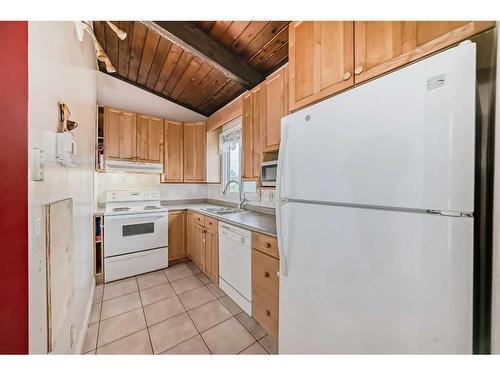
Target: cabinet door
247,137
195,141
149,138
176,235
120,134
321,60
265,291
381,46
212,255
199,246
190,236
173,146
155,140
275,91
128,136
257,119
334,57
301,61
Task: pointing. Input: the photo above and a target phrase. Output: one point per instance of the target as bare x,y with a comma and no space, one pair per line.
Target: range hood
133,166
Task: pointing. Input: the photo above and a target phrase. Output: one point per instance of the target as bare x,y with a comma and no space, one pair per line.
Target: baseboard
83,331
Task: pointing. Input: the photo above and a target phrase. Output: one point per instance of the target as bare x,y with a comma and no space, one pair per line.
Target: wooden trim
225,114
323,94
194,40
291,64
446,40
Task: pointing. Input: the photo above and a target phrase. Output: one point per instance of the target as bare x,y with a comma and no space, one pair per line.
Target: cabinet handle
267,245
268,313
358,70
347,75
266,274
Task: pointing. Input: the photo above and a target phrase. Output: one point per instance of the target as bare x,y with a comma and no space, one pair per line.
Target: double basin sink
222,210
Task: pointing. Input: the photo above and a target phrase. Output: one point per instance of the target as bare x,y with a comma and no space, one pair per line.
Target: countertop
251,220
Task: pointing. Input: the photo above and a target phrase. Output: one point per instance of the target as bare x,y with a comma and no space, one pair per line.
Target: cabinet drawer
211,223
199,219
265,291
266,244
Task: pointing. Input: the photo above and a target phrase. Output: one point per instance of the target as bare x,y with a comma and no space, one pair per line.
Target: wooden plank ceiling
151,61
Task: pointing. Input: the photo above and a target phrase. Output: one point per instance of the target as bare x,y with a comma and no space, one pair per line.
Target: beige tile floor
171,311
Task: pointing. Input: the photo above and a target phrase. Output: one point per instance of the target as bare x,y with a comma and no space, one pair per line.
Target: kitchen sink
220,210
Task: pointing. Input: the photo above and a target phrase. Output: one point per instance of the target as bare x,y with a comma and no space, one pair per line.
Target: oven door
135,232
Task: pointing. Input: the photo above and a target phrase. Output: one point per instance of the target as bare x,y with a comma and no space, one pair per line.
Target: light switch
37,164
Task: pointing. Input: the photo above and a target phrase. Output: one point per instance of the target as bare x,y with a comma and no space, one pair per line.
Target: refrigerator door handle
281,201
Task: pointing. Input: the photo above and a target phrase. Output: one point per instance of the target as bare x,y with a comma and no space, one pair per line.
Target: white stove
136,239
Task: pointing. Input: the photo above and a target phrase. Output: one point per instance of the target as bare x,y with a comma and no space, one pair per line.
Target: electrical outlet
72,335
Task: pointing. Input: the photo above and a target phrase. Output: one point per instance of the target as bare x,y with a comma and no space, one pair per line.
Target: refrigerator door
402,140
375,281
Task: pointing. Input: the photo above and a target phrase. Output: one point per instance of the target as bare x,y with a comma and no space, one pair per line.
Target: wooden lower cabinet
203,244
199,246
265,291
176,235
190,235
211,266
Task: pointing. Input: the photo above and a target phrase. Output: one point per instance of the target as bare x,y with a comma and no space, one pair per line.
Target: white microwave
268,172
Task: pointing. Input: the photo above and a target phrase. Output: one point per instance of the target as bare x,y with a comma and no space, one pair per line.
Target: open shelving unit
98,249
99,150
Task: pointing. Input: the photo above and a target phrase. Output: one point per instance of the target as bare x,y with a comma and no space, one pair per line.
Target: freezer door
366,281
402,140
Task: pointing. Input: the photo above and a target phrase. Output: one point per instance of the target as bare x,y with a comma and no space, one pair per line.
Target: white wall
61,68
127,181
113,92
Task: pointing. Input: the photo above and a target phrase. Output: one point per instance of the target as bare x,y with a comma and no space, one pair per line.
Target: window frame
225,162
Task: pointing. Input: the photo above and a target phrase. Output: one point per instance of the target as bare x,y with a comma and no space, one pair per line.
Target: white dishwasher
235,264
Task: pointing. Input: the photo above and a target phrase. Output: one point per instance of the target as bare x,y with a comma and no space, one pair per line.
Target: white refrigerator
375,214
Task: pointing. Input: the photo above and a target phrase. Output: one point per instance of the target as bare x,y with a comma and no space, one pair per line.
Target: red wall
14,187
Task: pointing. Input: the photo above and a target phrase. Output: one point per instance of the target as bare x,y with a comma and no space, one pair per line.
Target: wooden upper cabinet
381,46
247,137
149,138
195,145
258,117
275,91
120,134
253,117
321,60
173,149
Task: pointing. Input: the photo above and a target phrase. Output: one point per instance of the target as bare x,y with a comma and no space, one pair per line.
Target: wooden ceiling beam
194,40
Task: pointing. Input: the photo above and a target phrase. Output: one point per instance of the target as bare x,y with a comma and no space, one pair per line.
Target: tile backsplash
263,198
124,181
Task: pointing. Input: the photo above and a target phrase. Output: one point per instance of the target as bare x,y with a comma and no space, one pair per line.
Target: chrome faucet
241,200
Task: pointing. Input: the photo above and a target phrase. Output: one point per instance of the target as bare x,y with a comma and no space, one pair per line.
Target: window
230,147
